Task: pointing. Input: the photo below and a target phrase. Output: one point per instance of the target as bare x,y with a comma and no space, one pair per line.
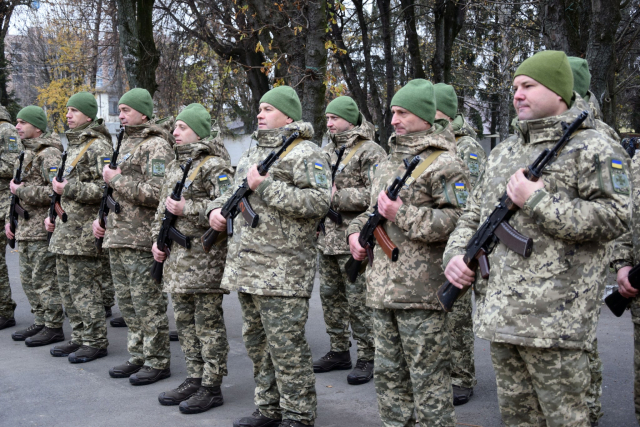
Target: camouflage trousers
594,392
343,303
273,333
7,304
203,336
541,386
108,290
411,370
78,281
40,283
143,306
460,326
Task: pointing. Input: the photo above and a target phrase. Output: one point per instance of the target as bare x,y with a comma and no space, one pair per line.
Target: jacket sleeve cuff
401,217
262,187
533,201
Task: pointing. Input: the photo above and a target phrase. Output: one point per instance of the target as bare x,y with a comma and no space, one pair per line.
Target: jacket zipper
596,161
444,188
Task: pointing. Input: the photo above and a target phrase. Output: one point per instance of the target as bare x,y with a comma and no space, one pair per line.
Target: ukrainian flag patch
319,166
473,156
460,190
222,178
616,164
53,171
619,178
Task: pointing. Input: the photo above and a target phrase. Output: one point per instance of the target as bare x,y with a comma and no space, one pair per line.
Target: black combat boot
107,312
188,388
23,334
45,336
461,395
362,373
256,420
334,360
118,322
173,336
148,375
87,354
64,350
293,423
124,371
203,400
6,322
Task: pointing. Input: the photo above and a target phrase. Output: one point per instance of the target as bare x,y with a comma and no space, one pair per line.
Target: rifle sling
78,157
423,166
193,174
290,147
352,153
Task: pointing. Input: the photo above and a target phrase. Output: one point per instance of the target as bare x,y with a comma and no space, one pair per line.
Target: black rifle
496,228
168,232
333,215
108,204
616,302
238,202
630,146
16,210
55,208
373,227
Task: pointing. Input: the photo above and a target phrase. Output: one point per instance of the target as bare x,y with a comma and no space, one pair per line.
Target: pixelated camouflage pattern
9,153
138,187
594,392
273,333
466,145
548,299
106,282
460,326
411,371
7,304
203,336
81,196
428,214
192,270
278,257
70,311
353,183
601,126
41,162
4,114
541,386
594,105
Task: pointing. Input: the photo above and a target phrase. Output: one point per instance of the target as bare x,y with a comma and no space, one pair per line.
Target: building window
113,107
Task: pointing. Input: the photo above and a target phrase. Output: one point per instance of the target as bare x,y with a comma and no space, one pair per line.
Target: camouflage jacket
431,207
41,161
352,183
594,105
601,126
468,148
548,299
193,270
82,194
146,150
278,257
10,148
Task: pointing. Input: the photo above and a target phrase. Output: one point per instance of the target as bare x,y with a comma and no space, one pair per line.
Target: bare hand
58,187
519,188
624,287
48,225
7,231
158,255
217,221
388,208
333,190
108,173
98,232
458,273
176,208
254,179
357,252
13,186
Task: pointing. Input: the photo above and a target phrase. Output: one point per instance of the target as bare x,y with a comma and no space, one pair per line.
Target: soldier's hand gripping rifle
333,215
616,302
373,227
168,232
55,209
108,204
16,210
238,202
496,229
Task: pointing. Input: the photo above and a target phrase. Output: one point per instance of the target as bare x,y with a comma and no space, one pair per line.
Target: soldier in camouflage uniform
37,264
10,147
459,321
412,342
191,275
539,312
273,265
146,148
78,267
343,302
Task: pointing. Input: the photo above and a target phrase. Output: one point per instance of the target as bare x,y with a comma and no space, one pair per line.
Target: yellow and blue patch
222,178
616,164
619,177
460,190
223,183
473,156
53,171
319,166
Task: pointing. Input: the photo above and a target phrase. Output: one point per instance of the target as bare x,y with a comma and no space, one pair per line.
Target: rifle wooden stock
383,239
512,239
60,212
616,302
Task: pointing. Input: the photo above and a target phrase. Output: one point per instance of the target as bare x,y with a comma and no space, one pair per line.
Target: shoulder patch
102,162
619,177
320,175
473,165
223,183
157,167
12,144
460,190
53,171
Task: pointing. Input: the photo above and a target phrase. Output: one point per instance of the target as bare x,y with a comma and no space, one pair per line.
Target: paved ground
39,390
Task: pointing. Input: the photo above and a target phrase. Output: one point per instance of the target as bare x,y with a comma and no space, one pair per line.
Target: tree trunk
413,42
6,10
449,17
384,7
316,63
96,46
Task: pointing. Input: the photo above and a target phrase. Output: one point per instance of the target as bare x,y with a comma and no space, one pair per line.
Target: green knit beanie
197,118
34,115
345,107
140,100
446,99
85,102
418,97
285,99
581,75
551,69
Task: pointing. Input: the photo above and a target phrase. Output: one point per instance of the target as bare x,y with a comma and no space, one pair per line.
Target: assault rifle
168,232
238,202
630,146
16,210
496,228
108,204
333,215
616,302
55,209
373,226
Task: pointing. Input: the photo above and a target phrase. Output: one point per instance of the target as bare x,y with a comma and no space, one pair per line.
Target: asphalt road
39,390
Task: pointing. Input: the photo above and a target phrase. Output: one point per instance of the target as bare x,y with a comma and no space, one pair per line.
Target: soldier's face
27,130
337,124
76,118
405,122
184,134
533,100
130,117
269,117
